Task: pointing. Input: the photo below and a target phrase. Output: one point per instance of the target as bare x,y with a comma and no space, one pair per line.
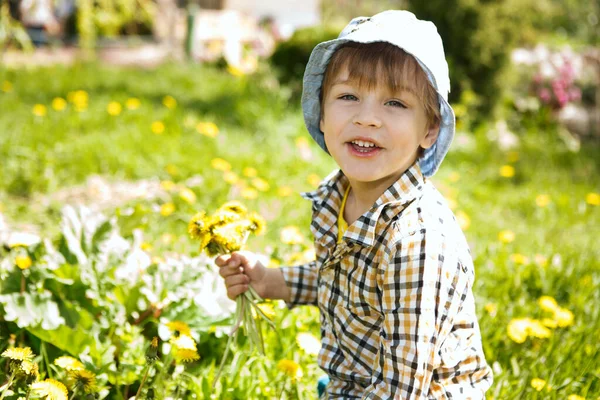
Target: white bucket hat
400,28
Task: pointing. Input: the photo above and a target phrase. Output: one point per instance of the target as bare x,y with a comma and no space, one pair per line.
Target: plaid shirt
397,311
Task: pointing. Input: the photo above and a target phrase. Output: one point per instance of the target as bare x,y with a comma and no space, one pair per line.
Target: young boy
393,274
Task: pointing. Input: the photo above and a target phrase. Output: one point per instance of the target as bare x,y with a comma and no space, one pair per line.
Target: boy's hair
372,64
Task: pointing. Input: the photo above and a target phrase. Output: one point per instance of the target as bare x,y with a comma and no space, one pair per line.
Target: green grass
259,124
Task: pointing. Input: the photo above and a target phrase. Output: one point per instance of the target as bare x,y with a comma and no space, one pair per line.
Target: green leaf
32,309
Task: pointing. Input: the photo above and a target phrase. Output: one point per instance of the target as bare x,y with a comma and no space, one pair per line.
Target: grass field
531,215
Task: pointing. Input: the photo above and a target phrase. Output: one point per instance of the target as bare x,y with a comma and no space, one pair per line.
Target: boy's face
372,134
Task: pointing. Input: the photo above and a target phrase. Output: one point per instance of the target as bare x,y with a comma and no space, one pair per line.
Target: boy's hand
241,269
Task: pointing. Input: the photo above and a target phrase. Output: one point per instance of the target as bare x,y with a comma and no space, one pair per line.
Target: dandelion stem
74,392
143,380
28,393
8,384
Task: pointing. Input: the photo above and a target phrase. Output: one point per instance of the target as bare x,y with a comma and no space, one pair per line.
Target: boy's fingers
236,290
234,280
222,260
228,271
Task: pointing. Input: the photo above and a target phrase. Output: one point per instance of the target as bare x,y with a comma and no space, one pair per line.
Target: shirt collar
362,231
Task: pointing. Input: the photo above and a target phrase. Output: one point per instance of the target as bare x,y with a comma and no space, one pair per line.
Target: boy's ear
431,136
321,123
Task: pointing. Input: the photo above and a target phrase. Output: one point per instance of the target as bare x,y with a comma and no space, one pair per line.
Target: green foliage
11,31
290,57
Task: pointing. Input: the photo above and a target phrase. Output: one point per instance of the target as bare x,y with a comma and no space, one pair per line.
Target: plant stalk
8,384
143,380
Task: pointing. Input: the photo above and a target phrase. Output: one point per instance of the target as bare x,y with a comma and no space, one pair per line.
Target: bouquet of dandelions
224,232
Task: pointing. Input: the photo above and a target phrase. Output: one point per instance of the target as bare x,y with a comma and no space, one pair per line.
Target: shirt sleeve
422,287
302,282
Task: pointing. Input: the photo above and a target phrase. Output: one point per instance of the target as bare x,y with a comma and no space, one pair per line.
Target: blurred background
138,113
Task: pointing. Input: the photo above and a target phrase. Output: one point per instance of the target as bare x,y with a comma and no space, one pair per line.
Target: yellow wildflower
291,235
542,200
575,397
313,180
59,104
179,326
233,206
79,99
30,369
220,165
547,303
114,108
538,330
593,199
506,236
169,102
83,379
291,368
168,185
133,103
50,389
309,343
463,220
538,384
540,260
518,329
507,171
187,195
519,259
260,184
250,172
491,308
39,110
69,363
230,177
257,223
146,246
550,323
284,191
563,317
167,209
249,193
19,354
186,355
157,127
183,341
209,129
152,351
171,169
23,262
235,71
7,87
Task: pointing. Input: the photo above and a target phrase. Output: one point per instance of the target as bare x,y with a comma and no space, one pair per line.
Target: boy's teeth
363,144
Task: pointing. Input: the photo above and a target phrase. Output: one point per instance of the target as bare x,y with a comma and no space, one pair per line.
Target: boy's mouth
363,146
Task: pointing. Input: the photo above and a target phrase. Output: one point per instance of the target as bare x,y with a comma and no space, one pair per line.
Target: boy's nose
366,116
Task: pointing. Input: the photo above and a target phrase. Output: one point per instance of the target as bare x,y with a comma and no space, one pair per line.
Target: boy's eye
396,103
347,97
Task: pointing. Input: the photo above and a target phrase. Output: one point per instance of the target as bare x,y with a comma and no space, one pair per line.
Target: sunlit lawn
531,214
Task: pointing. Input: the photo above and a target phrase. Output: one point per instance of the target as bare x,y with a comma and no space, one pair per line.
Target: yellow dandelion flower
186,355
302,142
233,206
257,223
23,262
547,303
313,180
197,226
593,199
549,323
575,397
266,309
168,185
59,104
454,177
19,354
114,108
463,220
69,363
542,200
261,184
230,177
235,71
538,384
491,308
39,110
538,330
507,171
518,329
50,389
506,236
7,87
169,102
187,195
133,103
249,193
183,341
291,368
540,260
30,369
172,169
291,235
250,172
220,165
152,351
157,127
83,379
519,259
284,191
309,343
146,246
167,209
563,317
179,326
209,129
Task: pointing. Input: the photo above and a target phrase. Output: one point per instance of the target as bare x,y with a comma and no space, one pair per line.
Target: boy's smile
372,134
